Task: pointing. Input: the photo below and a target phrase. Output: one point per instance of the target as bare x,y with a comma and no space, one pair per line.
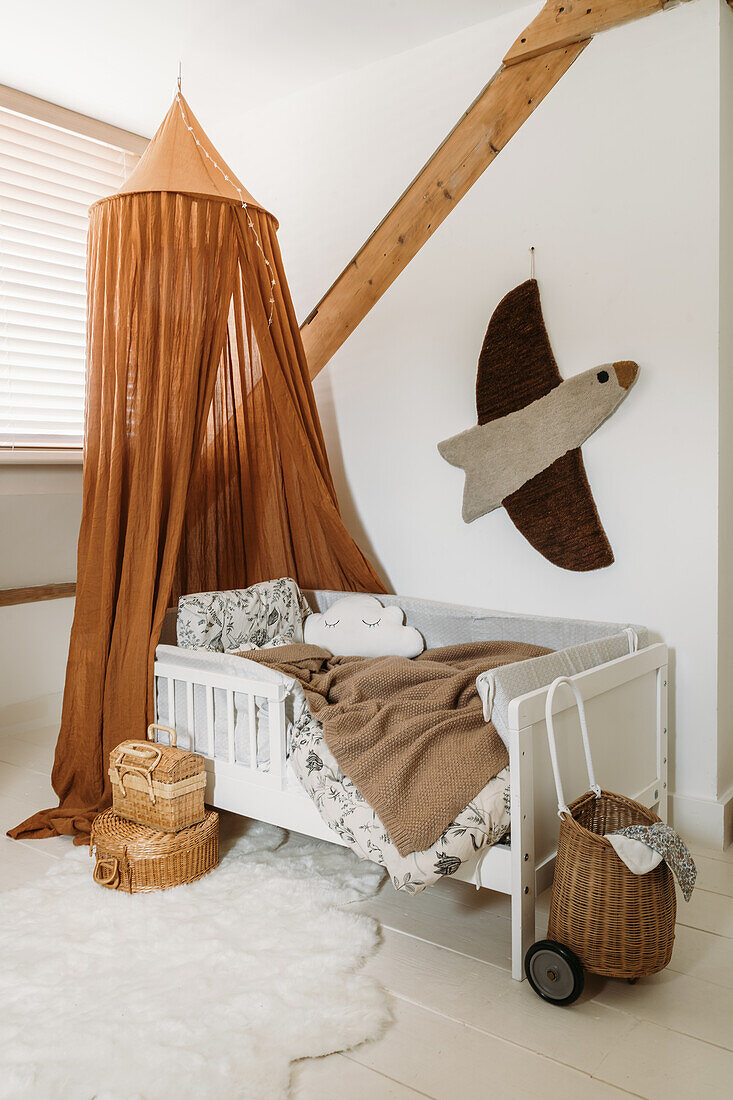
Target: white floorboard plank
337,1077
24,784
40,735
26,754
446,1060
33,714
715,875
590,1036
703,955
664,1065
677,1001
20,864
452,914
13,811
489,1000
722,855
706,911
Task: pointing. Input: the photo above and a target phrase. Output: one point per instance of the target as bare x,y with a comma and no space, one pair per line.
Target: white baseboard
45,710
703,821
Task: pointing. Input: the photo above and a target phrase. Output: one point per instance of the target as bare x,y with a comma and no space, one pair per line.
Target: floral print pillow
271,612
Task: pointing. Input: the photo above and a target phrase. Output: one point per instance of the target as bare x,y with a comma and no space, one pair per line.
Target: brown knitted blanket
409,733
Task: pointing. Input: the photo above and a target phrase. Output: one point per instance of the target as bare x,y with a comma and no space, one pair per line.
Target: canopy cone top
181,158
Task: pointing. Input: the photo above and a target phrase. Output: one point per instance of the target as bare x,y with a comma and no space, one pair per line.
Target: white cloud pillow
359,626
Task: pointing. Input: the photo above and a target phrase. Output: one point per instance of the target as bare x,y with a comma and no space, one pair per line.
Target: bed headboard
449,624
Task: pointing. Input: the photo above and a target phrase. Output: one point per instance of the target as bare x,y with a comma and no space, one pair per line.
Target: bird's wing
556,513
516,365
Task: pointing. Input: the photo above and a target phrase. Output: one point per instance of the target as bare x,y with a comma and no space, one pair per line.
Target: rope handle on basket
107,873
562,807
149,757
172,736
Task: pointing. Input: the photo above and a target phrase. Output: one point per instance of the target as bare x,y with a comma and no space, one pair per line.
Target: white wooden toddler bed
240,722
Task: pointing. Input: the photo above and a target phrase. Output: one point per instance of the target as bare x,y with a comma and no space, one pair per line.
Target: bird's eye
602,376
371,624
331,624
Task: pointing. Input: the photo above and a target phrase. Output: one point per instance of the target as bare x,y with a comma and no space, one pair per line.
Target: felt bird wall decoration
524,453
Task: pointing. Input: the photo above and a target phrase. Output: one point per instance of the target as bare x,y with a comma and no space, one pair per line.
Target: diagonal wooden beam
542,54
488,124
562,22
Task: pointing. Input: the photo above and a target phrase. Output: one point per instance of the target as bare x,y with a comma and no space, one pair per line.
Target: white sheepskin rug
208,991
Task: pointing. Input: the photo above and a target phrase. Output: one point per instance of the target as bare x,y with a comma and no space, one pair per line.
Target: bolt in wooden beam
565,21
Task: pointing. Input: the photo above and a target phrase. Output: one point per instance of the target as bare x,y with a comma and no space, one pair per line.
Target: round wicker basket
620,925
136,859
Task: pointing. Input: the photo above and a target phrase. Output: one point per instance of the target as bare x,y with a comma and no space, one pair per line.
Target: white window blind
49,176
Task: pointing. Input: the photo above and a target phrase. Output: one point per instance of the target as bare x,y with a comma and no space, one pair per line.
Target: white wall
614,179
725,549
40,508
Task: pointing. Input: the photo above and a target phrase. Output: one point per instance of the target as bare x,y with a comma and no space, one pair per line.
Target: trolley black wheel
554,972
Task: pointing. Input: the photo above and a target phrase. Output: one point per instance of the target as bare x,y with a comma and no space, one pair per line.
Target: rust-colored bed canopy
204,461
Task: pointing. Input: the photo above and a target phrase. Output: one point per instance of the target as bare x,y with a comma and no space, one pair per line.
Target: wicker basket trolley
602,917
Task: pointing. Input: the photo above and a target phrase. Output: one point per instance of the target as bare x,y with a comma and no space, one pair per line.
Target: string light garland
238,189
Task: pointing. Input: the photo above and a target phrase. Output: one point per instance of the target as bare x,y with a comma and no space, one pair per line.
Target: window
50,173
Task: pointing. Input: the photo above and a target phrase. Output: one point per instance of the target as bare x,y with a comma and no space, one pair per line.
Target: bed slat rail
231,710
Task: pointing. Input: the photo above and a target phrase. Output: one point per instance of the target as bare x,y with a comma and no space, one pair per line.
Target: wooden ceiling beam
537,60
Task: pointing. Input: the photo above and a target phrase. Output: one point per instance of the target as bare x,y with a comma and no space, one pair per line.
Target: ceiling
118,62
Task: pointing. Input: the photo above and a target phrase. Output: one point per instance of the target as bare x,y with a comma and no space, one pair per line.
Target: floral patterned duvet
484,821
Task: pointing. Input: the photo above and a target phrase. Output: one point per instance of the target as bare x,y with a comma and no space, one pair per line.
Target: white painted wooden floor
462,1027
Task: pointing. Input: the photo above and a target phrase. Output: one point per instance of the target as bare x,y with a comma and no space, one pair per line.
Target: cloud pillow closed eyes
358,626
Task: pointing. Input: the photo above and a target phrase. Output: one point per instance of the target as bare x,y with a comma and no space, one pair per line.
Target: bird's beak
626,372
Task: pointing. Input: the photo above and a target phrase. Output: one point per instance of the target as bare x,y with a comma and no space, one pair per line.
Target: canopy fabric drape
204,461
265,458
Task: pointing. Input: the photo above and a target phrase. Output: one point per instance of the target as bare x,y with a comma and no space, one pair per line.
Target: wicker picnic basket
619,924
137,860
157,785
